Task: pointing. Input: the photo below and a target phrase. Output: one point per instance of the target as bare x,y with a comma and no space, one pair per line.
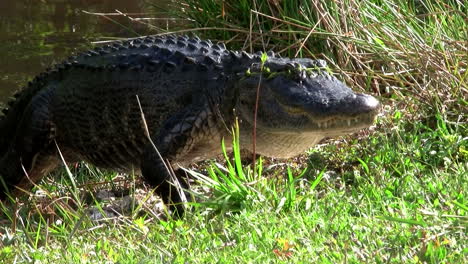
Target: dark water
36,34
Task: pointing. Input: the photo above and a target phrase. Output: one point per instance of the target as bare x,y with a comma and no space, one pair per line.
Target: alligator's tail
11,116
22,132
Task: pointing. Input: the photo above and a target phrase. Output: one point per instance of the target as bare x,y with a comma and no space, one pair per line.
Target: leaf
402,220
264,58
379,41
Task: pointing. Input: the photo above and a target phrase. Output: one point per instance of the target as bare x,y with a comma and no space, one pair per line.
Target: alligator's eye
295,110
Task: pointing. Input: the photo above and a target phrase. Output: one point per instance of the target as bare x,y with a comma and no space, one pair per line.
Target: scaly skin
190,92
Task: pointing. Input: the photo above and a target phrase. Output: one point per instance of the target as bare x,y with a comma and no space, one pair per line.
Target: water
36,34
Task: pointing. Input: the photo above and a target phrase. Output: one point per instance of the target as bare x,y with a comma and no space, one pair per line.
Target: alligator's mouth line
343,122
334,122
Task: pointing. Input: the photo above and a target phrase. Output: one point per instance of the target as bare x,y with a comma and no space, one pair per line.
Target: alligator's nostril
369,101
372,102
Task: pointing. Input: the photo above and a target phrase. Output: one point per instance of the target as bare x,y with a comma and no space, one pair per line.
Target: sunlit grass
393,194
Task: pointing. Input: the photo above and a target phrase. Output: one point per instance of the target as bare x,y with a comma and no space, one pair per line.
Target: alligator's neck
280,145
236,62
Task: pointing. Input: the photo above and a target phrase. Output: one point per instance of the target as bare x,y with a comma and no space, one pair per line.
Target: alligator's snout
370,102
364,103
351,114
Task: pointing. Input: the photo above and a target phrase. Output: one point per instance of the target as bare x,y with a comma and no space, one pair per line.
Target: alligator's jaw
290,142
279,145
287,145
348,121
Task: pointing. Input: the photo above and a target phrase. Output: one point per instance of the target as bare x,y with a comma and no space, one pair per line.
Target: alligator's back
96,107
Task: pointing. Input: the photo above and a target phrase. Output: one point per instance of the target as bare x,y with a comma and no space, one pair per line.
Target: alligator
114,105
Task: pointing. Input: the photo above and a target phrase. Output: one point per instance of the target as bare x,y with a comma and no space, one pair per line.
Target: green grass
393,194
349,207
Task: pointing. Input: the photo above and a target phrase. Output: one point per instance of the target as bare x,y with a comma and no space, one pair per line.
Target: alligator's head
300,103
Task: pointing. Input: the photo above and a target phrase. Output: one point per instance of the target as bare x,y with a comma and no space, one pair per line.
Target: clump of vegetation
410,50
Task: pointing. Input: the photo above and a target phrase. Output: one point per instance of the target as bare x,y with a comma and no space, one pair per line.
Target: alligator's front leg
182,140
158,175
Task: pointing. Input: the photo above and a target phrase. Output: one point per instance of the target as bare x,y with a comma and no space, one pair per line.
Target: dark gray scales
190,91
